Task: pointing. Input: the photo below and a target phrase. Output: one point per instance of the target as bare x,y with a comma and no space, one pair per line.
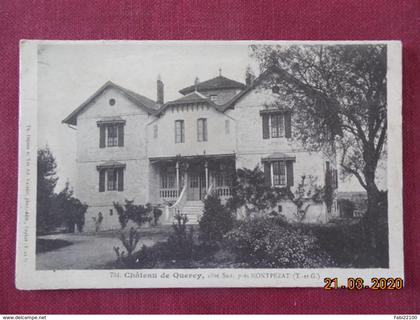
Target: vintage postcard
152,164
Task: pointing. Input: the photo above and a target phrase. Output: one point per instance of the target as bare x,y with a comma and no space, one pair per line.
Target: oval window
111,102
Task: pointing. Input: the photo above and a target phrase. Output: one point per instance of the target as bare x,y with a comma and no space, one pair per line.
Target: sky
70,73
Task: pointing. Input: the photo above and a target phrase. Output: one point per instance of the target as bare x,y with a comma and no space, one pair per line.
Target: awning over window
279,156
110,120
275,110
110,165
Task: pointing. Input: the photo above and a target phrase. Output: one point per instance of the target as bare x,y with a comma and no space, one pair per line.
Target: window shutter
101,180
205,129
121,135
289,171
120,173
288,124
335,179
102,134
267,174
266,132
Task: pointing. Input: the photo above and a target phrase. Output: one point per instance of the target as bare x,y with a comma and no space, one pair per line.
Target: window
279,173
168,181
111,135
213,97
112,132
111,102
112,178
155,131
277,125
223,178
202,130
275,89
227,127
179,131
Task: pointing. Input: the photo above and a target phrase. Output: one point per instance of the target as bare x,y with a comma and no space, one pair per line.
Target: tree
46,182
340,91
306,193
67,210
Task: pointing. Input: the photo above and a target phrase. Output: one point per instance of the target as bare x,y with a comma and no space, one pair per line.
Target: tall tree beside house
67,210
46,182
340,92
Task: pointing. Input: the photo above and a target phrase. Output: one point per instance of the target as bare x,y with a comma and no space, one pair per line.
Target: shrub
273,243
180,243
249,190
216,219
137,213
129,241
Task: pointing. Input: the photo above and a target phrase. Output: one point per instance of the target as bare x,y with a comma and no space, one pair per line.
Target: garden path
92,250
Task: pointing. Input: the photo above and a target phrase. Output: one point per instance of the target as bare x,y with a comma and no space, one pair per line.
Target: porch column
177,178
207,176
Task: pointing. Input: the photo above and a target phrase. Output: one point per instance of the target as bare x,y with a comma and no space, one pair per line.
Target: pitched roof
143,102
255,83
218,82
193,97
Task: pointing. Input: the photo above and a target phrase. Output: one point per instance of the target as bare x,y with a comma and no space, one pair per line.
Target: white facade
150,156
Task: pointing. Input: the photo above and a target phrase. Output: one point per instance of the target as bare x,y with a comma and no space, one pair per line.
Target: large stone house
174,153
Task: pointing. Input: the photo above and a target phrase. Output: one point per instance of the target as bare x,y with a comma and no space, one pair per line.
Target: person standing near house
98,221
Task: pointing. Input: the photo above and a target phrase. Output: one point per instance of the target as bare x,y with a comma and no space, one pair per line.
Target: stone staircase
193,210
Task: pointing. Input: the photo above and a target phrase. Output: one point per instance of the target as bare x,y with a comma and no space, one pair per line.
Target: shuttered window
202,130
276,124
111,135
278,173
112,178
179,131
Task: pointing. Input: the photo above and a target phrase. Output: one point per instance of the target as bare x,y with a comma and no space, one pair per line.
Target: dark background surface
219,20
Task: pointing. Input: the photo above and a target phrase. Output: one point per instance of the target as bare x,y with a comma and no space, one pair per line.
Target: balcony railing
222,192
168,194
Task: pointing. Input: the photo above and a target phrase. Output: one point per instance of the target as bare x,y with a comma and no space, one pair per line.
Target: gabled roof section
142,102
255,83
191,98
219,82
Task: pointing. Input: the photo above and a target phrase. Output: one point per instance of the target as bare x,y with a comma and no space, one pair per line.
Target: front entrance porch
184,182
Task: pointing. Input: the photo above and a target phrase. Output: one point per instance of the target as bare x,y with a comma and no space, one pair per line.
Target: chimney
160,97
196,82
249,76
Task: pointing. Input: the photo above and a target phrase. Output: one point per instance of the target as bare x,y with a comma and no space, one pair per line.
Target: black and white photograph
208,163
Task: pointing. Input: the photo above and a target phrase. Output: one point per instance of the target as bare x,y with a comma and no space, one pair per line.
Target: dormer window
213,97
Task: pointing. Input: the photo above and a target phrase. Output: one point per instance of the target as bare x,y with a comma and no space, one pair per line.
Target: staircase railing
209,191
178,205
